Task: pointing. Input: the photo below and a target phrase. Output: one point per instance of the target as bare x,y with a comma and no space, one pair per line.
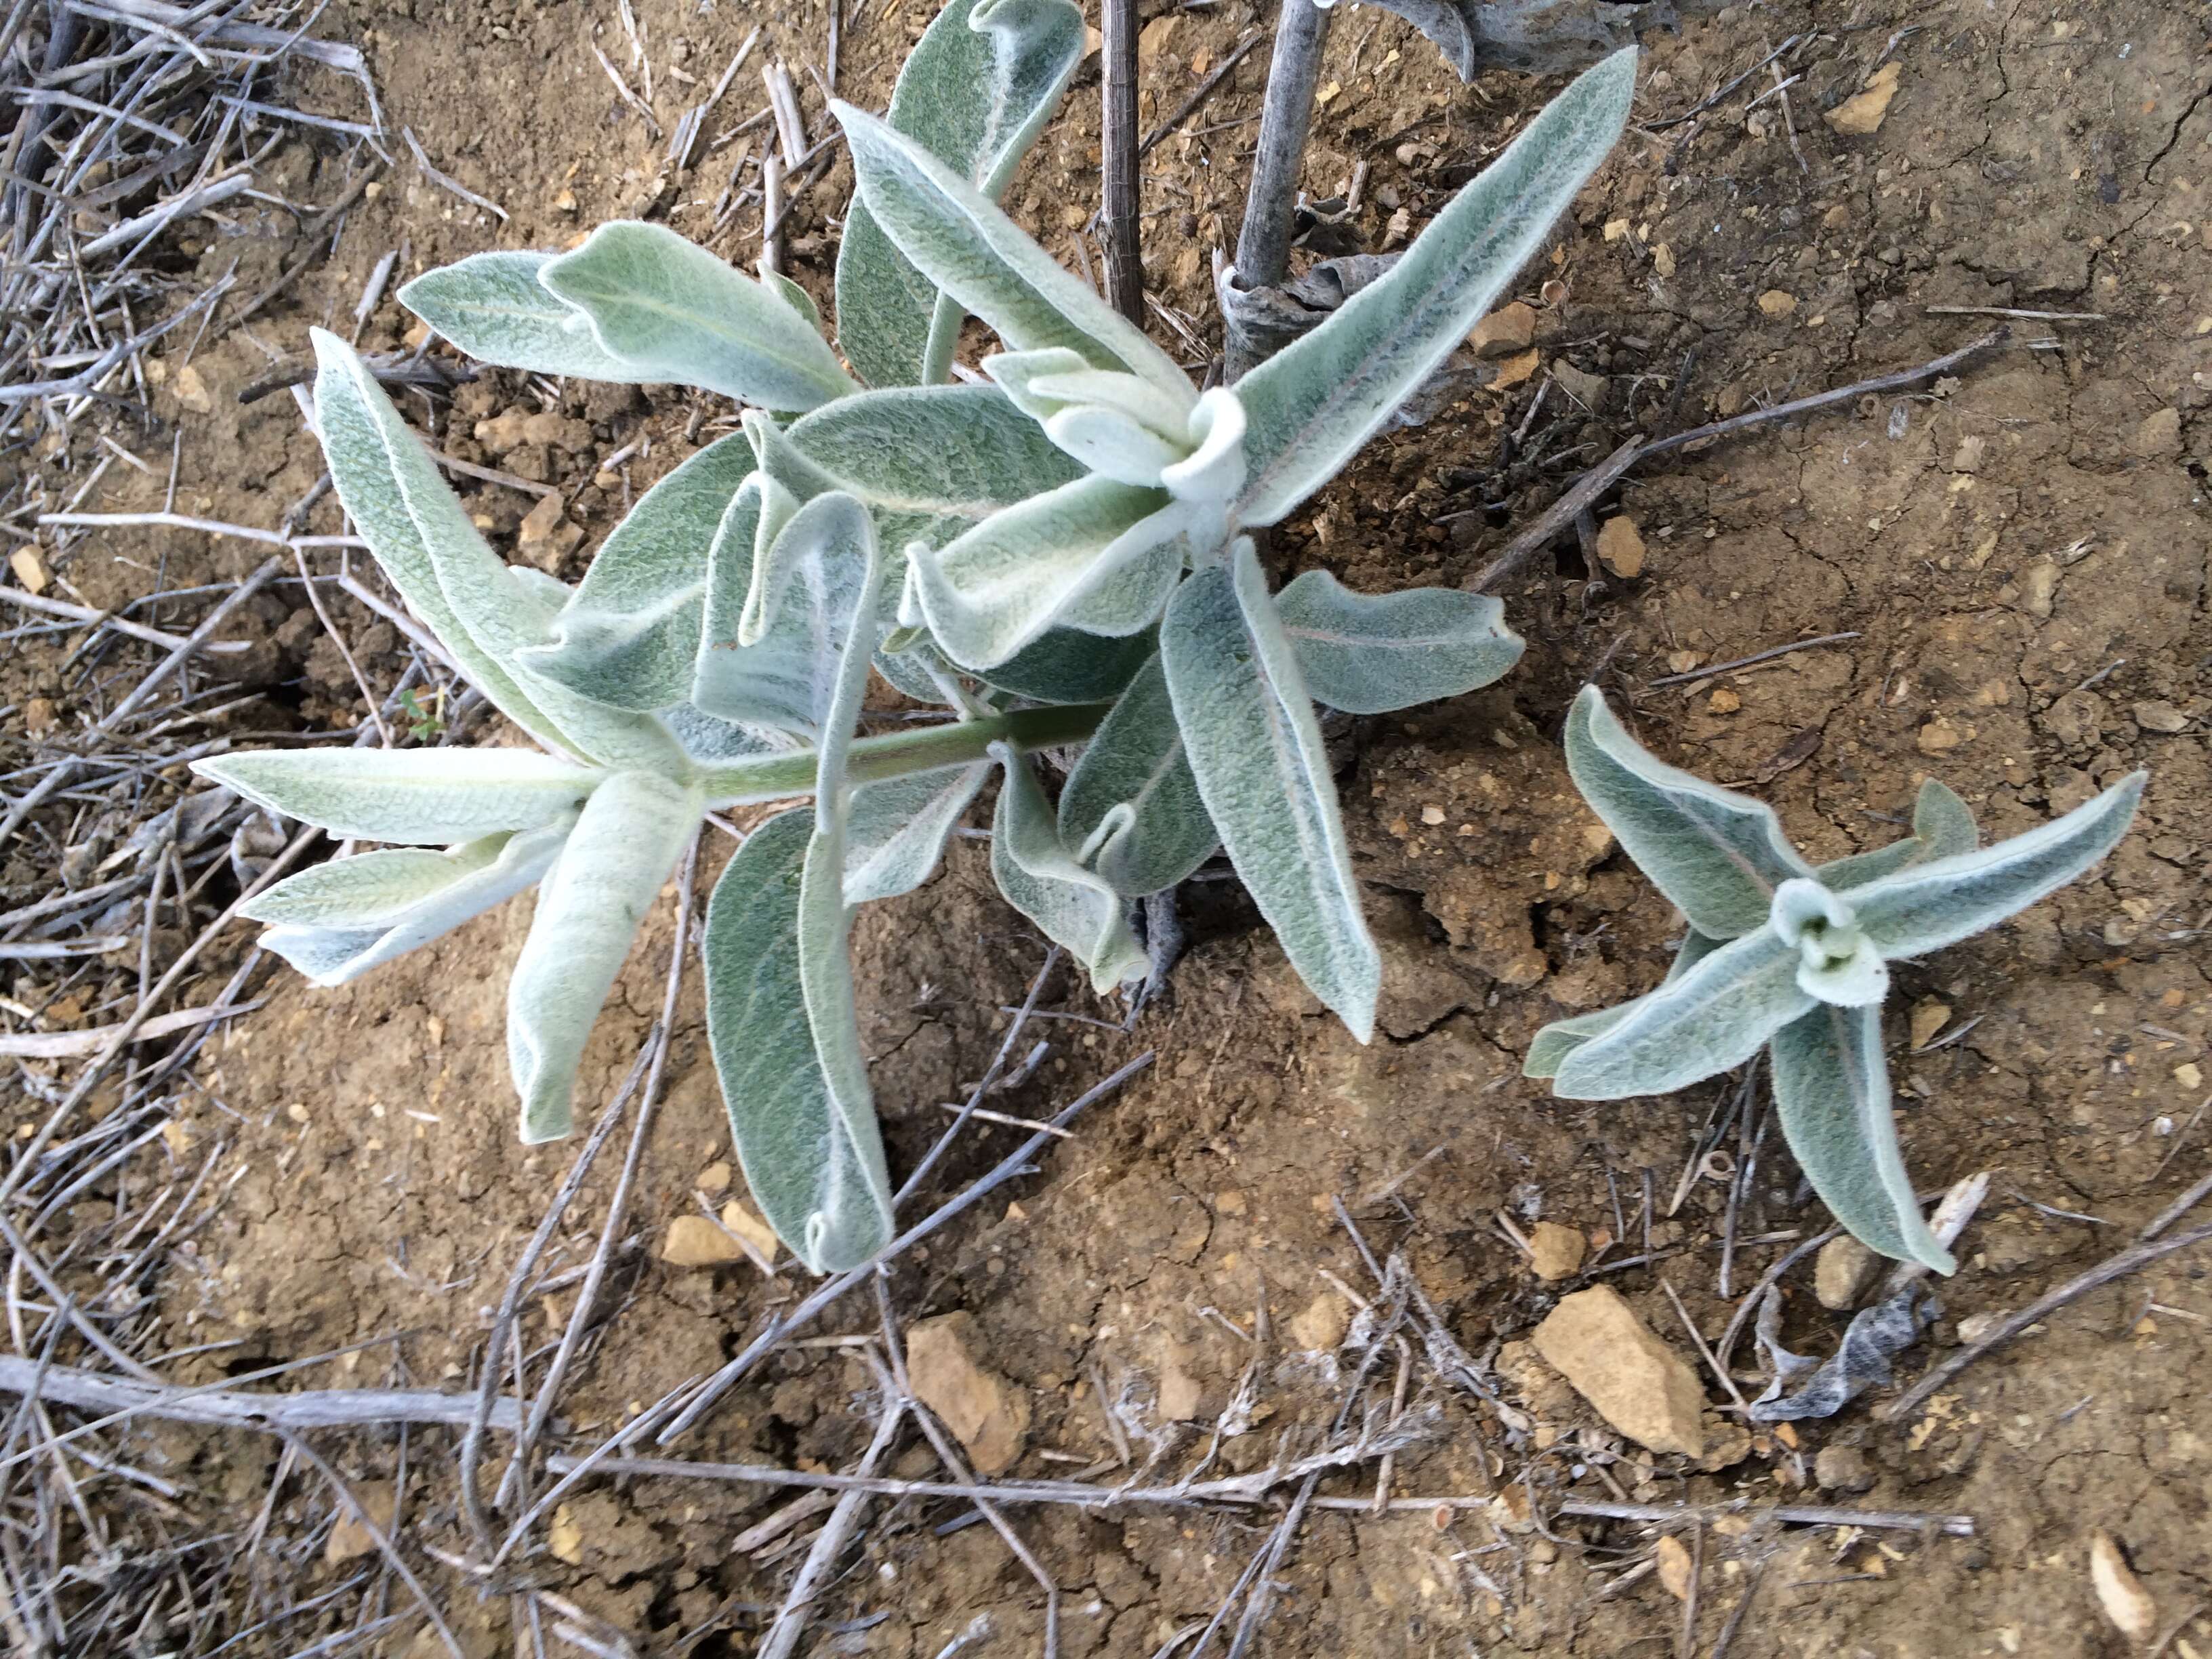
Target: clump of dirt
2007,568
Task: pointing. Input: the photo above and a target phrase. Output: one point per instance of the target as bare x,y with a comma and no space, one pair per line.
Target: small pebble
1842,1468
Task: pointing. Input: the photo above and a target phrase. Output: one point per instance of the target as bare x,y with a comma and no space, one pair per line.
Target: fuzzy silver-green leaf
1832,1095
674,311
1372,654
975,92
1254,746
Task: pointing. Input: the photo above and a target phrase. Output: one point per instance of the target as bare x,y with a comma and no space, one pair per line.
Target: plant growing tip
1051,558
1795,959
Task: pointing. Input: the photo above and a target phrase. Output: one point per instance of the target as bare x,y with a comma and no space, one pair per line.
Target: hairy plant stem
871,760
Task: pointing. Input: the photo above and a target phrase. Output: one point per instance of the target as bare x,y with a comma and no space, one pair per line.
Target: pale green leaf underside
803,594
1718,855
1071,906
421,797
1714,1016
364,918
819,1180
977,87
1372,654
896,831
676,312
1136,761
1262,771
1313,404
494,309
1831,1094
630,832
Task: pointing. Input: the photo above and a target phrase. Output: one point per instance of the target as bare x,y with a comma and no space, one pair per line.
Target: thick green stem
871,760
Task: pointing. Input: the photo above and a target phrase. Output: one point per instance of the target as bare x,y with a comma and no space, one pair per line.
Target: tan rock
1319,1326
1507,330
504,431
694,1242
1929,1015
1620,547
2039,587
2159,437
1863,113
2162,717
1515,370
1842,1468
1662,261
1584,388
30,569
39,718
714,1179
1939,737
2119,1592
988,1414
1842,1272
750,1228
192,392
564,1539
1638,1384
1676,1567
1778,302
1723,701
546,535
1556,1252
1179,1389
350,1541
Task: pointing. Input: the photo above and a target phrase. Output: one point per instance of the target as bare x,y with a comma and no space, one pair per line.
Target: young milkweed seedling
1055,558
1795,959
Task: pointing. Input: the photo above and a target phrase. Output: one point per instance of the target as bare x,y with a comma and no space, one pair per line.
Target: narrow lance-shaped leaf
424,796
1262,771
494,309
1716,1016
1071,905
1550,1046
975,92
630,832
1942,826
390,489
1133,782
1312,405
337,921
1932,905
819,1178
630,638
1831,1094
1371,653
957,238
676,312
838,525
424,539
1718,855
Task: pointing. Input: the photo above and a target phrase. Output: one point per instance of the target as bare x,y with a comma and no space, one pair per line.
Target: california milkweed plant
1795,959
1054,558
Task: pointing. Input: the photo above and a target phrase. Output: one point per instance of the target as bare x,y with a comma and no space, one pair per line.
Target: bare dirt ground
2017,557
